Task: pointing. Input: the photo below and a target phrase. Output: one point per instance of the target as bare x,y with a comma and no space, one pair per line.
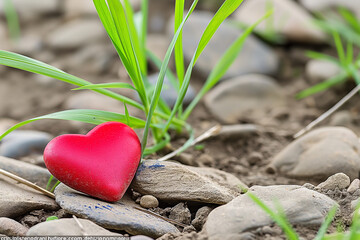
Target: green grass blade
127,115
277,217
114,19
322,56
179,54
350,18
28,64
157,147
339,48
349,53
138,48
223,65
329,218
156,95
12,20
322,86
83,115
49,182
106,85
227,8
144,22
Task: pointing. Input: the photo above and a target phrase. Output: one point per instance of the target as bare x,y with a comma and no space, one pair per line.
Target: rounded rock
339,180
11,228
149,201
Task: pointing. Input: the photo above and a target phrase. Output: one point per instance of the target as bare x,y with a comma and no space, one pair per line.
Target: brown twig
27,183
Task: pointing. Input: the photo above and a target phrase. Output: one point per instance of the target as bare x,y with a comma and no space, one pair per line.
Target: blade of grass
329,218
322,86
349,53
12,19
278,218
350,18
156,95
127,115
179,54
83,115
143,32
322,56
339,48
106,85
223,65
28,64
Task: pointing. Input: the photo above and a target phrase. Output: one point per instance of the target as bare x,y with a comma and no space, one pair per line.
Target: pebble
118,216
149,201
255,157
185,183
17,199
320,154
20,143
11,228
301,205
140,237
255,57
168,93
339,180
249,95
34,9
76,34
180,213
30,172
200,217
289,20
354,186
69,227
320,70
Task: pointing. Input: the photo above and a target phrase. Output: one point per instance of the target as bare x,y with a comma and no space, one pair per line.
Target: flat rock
12,228
185,184
20,143
255,57
319,70
168,92
69,227
30,172
320,154
17,199
301,206
75,34
354,186
289,20
324,5
248,95
339,180
118,216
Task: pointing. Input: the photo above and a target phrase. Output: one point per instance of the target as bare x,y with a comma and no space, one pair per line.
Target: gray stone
320,70
168,93
354,186
249,95
75,34
324,5
140,237
17,199
338,180
180,213
12,228
255,57
119,216
30,172
22,142
288,20
34,9
200,217
319,155
301,207
185,184
149,201
69,227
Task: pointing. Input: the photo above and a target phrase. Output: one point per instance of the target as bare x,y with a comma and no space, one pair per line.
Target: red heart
101,163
